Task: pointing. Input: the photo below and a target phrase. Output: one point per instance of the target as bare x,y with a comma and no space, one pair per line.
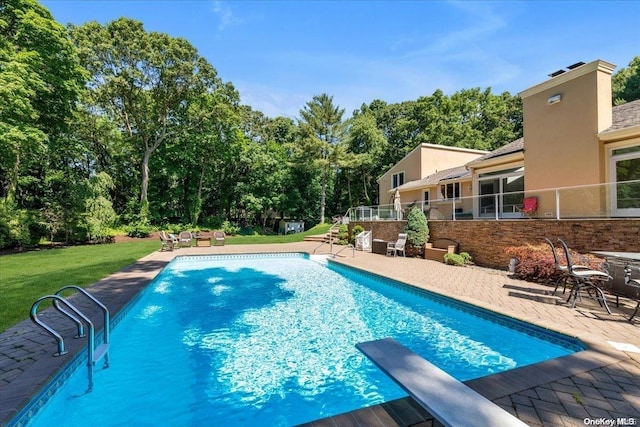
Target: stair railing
333,229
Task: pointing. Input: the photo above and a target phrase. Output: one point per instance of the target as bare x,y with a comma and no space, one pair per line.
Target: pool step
101,351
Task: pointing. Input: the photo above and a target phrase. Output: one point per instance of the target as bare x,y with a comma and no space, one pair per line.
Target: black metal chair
565,276
634,283
585,280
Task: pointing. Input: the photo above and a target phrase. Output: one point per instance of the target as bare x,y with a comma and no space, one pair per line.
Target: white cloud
225,15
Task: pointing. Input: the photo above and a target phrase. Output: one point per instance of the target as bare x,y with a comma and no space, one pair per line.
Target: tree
194,170
626,83
417,230
144,81
321,128
40,81
364,145
100,215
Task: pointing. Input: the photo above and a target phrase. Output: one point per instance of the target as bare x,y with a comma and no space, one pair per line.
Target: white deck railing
611,200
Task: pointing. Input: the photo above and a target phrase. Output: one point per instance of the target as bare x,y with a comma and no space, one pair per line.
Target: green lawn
289,238
27,276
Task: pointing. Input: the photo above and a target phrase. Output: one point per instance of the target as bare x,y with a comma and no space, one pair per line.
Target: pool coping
135,277
515,380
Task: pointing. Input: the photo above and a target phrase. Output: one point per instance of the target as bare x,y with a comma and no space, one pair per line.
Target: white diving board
447,399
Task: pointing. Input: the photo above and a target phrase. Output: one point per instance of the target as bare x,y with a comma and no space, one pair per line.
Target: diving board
447,399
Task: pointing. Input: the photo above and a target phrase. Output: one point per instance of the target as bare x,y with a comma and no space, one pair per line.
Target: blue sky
279,54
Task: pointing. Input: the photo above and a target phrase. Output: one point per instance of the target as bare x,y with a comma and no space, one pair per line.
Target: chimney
562,117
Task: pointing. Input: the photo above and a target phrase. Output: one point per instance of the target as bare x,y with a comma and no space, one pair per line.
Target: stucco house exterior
576,154
422,162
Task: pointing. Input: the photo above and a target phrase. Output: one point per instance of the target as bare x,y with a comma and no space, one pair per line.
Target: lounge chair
565,277
169,236
218,238
185,239
398,245
587,280
167,244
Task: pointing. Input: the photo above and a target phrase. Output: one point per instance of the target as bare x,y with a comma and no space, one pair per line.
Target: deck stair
331,235
330,238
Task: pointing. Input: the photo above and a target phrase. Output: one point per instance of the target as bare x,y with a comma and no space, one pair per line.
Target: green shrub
16,227
138,230
99,214
454,259
343,235
176,228
461,259
417,231
267,231
229,228
354,233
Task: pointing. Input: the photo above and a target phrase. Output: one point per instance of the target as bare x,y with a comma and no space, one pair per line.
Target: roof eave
506,158
619,134
456,179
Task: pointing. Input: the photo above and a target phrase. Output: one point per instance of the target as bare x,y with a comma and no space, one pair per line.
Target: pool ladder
94,354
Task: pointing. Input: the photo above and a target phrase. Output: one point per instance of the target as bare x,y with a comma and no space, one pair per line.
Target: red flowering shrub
535,262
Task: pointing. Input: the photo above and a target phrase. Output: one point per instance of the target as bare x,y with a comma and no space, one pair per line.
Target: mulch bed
125,238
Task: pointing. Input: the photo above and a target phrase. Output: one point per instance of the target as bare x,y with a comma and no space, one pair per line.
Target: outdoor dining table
621,256
618,261
202,240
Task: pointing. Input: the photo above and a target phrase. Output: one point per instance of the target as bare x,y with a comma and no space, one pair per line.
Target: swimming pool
270,340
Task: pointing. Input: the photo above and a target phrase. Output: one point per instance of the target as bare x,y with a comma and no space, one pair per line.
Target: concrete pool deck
602,382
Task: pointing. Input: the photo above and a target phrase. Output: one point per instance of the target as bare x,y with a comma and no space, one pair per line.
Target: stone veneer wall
486,240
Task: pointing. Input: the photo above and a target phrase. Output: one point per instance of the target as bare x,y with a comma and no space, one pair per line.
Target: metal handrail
105,311
336,225
349,246
93,354
34,317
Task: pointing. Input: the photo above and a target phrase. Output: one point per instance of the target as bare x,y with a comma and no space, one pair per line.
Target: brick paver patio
600,383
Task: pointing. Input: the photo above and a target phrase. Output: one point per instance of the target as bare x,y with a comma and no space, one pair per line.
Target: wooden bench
437,249
448,400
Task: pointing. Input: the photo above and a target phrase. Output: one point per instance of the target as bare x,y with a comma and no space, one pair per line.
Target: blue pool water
270,340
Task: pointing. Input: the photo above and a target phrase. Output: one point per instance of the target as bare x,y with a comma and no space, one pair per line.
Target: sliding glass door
625,167
501,193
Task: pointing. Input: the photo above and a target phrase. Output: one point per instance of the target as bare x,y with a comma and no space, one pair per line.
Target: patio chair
170,236
587,280
185,238
634,283
564,270
167,244
398,245
218,238
529,207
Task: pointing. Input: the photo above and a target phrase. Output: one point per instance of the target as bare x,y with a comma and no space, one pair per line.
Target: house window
397,179
501,192
426,197
450,191
625,168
